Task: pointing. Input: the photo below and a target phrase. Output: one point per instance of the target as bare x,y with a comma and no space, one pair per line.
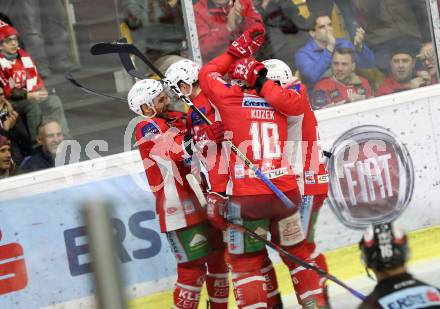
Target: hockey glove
216,210
248,43
214,133
247,69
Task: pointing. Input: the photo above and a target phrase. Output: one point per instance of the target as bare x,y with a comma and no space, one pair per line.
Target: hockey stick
195,186
125,48
71,79
128,65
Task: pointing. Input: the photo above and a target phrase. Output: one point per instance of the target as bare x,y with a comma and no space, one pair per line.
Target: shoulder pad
196,118
149,129
295,87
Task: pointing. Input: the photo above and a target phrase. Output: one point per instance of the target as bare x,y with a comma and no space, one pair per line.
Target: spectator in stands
156,26
314,59
385,21
220,20
50,136
346,8
402,72
429,60
6,163
343,85
43,26
285,30
13,128
23,84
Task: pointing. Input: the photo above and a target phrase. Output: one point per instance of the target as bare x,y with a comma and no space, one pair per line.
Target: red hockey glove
214,132
248,43
216,209
247,69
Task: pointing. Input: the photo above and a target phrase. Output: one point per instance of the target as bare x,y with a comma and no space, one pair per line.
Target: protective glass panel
40,109
344,51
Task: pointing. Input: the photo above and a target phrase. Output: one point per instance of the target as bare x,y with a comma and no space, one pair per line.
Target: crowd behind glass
343,51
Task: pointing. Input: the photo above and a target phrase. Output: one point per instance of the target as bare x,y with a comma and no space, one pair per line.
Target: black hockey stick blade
119,47
103,48
71,79
127,63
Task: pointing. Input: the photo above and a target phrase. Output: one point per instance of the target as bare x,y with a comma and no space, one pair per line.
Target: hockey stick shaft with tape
125,48
71,79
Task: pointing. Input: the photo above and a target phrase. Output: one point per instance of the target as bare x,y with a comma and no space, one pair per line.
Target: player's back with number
259,125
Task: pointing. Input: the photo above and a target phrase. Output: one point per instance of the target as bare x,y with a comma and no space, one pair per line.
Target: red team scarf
19,73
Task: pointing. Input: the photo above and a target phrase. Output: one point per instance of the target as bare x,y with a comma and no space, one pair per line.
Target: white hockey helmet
144,92
279,71
183,70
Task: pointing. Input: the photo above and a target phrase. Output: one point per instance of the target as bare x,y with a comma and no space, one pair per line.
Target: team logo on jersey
296,87
19,78
255,102
309,177
197,240
319,99
149,130
271,174
172,211
323,178
334,94
239,171
412,298
188,207
196,119
371,176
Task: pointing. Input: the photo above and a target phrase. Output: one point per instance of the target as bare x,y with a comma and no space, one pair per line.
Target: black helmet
384,246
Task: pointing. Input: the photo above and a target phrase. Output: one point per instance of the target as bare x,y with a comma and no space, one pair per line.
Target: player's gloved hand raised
249,42
247,69
216,209
214,132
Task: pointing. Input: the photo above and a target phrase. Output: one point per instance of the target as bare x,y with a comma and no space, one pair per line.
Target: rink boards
44,260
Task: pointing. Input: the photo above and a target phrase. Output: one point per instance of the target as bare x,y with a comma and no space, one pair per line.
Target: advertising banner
44,253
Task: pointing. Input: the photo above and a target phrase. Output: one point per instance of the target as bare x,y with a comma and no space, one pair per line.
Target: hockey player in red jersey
166,149
257,119
307,159
184,74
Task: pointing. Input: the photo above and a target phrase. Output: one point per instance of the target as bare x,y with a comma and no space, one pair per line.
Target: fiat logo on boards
371,177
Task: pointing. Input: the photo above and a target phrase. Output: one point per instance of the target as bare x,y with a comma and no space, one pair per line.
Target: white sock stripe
310,293
266,269
189,287
219,300
273,293
255,306
249,279
217,275
297,270
315,254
